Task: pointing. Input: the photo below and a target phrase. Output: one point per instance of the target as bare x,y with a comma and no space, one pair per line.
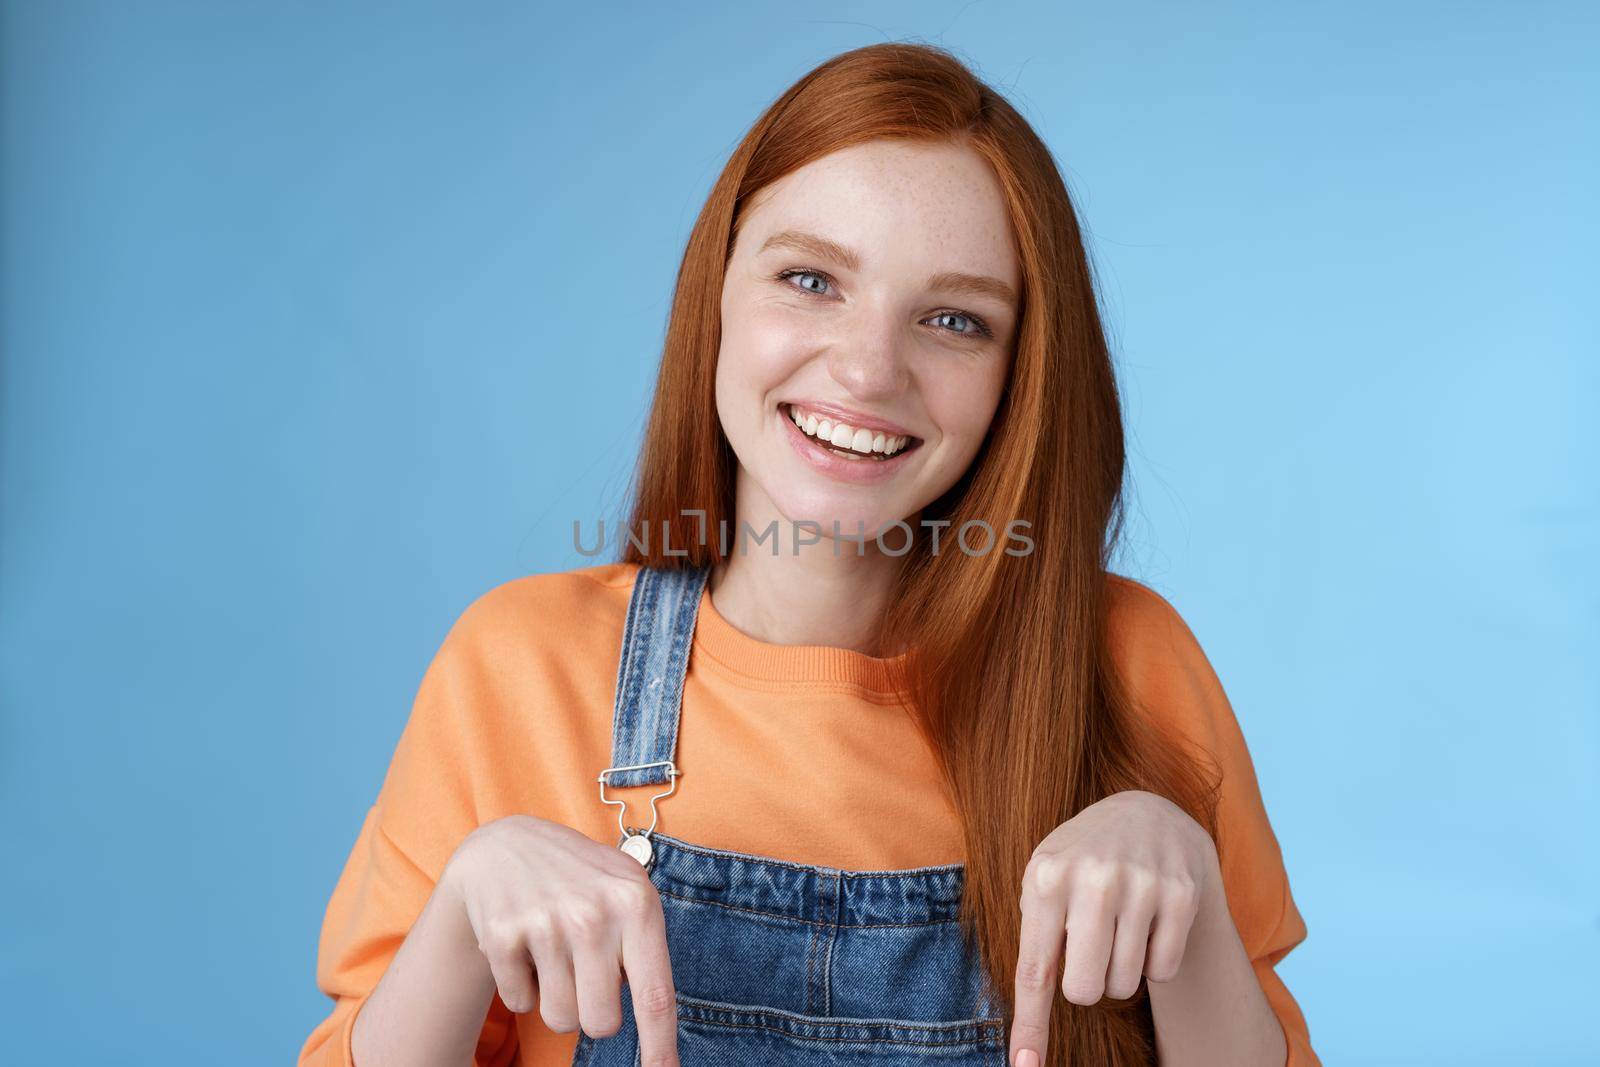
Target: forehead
898,204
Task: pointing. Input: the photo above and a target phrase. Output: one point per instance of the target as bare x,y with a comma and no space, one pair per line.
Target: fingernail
1027,1058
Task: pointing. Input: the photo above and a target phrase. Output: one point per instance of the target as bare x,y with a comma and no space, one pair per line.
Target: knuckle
1121,988
539,927
1141,881
1029,1035
584,919
1161,972
1181,894
1181,881
632,898
517,1001
562,1022
656,999
1044,876
1082,991
1096,876
1034,973
1162,966
603,1026
499,938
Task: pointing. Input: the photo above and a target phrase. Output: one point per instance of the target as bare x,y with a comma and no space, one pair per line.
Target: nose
870,360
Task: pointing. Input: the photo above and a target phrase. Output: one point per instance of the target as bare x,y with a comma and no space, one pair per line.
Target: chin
850,516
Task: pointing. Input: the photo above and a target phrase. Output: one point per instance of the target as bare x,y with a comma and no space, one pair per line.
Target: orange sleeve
1171,676
425,807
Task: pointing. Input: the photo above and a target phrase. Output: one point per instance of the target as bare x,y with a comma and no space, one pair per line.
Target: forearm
1214,1014
430,1005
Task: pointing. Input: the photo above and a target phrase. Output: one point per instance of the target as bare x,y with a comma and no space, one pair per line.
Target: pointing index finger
1044,921
648,967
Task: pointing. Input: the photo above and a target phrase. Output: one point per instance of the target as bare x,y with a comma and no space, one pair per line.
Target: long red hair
1011,673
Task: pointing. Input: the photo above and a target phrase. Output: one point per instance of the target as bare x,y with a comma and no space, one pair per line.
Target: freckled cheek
764,348
962,407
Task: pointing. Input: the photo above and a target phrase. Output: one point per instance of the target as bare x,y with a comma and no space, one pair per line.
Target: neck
820,594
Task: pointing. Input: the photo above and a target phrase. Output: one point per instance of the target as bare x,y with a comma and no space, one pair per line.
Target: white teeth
842,435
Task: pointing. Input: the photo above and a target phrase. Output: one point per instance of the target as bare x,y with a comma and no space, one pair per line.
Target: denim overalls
780,964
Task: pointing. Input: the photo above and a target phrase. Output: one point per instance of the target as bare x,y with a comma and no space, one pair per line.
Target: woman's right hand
562,919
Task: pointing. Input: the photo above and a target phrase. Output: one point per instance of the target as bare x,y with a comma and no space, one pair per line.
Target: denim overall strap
655,657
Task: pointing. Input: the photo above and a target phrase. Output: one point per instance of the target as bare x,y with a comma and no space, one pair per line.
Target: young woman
918,780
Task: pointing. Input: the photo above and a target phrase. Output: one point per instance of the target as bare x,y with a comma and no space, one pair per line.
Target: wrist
1212,930
450,900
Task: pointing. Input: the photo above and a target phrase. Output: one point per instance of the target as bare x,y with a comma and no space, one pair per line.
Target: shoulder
583,589
1133,606
1145,630
539,640
1163,665
564,607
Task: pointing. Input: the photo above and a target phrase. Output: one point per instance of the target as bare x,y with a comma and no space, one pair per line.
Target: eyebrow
947,281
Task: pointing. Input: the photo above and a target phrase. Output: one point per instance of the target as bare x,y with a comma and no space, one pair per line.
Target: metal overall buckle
638,845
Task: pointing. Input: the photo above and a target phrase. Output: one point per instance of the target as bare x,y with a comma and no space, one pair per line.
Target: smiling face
868,315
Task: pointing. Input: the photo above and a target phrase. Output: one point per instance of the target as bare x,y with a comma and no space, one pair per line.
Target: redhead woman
857,753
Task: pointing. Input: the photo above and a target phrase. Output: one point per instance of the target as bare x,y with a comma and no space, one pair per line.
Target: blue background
320,321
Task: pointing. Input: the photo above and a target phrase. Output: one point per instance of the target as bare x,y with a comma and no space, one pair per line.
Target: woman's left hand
1118,886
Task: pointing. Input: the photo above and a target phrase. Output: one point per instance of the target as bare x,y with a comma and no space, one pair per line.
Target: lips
822,409
842,464
849,435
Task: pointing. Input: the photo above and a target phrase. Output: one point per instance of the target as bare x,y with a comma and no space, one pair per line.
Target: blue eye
806,274
979,327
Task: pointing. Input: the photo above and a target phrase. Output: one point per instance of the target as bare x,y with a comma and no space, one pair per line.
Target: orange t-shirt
798,752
